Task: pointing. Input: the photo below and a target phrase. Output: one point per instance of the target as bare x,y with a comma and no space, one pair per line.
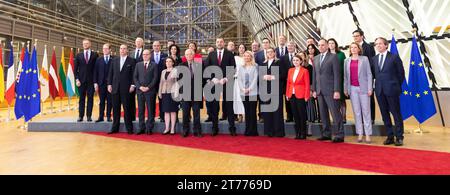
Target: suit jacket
277,50
327,78
169,85
139,58
84,70
369,51
146,78
286,64
198,72
365,77
162,63
301,84
101,70
227,61
389,80
121,80
259,57
280,77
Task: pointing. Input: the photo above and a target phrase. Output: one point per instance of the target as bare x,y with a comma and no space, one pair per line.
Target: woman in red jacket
298,93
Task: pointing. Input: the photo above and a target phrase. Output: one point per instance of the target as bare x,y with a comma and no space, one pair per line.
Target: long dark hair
336,43
316,51
178,50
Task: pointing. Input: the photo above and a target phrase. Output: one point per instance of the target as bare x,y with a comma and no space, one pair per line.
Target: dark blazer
327,78
146,78
101,70
139,58
369,51
227,61
277,50
198,72
280,77
121,80
259,57
162,63
84,71
389,80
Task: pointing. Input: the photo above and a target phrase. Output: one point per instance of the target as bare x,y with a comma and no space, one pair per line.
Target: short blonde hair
252,63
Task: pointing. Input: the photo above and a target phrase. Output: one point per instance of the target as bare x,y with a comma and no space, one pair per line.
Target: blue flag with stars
405,97
422,101
32,93
20,88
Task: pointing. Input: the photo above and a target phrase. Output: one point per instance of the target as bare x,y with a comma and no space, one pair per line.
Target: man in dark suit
286,64
368,50
84,69
260,58
146,81
281,50
120,85
159,59
389,76
223,59
195,100
101,71
327,87
137,56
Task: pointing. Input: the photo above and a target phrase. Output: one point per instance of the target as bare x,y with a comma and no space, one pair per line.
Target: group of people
308,85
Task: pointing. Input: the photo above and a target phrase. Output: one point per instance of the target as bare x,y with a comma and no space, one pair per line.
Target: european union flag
32,93
422,101
405,97
20,88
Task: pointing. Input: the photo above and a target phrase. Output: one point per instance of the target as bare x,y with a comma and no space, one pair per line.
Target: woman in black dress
167,90
175,54
273,120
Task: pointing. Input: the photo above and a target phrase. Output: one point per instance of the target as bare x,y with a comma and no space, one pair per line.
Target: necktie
282,51
322,56
157,58
86,57
220,58
190,69
381,62
106,60
137,53
290,59
146,66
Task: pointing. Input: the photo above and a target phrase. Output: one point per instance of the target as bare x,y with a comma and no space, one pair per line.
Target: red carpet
352,156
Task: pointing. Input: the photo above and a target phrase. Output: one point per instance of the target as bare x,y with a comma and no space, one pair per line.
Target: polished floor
22,152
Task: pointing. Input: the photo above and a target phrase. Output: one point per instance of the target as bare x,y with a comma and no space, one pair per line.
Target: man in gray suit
326,86
146,81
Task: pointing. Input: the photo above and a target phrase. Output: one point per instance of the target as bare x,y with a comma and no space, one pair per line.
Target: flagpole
51,106
68,106
9,114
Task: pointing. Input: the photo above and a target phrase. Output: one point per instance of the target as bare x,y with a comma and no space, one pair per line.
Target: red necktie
86,57
220,58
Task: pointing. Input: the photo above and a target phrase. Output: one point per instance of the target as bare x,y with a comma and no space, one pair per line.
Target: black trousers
372,107
391,104
288,108
251,127
273,121
105,101
228,106
122,98
86,89
133,105
195,106
144,102
300,117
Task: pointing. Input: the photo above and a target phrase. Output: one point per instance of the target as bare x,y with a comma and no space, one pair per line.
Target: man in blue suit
281,50
101,70
159,58
389,76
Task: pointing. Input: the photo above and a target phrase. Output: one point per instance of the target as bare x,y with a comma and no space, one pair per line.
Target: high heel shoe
166,132
172,132
360,139
368,140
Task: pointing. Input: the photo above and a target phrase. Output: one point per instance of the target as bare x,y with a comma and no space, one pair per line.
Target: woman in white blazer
358,85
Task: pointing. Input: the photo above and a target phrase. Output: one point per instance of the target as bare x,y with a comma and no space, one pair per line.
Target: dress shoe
80,119
389,141
166,132
109,119
338,140
303,137
113,132
198,135
215,132
261,120
208,120
309,135
324,138
140,132
149,133
399,142
223,118
130,132
185,134
99,120
89,119
289,120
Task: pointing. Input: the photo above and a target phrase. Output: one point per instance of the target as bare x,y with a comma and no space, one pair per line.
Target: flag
405,101
62,75
43,79
10,78
20,86
32,103
71,89
53,78
2,77
422,101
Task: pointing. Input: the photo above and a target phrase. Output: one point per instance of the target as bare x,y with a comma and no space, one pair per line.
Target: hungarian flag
53,79
71,89
62,75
